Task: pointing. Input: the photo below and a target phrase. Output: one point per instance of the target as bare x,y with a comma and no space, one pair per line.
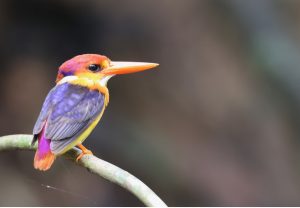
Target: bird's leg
84,150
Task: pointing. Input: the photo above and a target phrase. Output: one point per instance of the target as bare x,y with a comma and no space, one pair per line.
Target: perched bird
75,105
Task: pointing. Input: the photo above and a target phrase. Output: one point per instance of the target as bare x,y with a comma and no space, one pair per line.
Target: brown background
217,124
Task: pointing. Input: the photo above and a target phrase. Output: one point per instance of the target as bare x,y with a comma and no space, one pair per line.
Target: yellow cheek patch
89,75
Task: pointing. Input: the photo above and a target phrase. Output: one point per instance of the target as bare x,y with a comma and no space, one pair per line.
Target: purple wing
67,111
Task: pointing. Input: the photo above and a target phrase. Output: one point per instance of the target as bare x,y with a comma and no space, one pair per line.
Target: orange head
99,67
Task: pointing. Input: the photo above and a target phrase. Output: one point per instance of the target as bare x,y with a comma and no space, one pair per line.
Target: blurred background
217,124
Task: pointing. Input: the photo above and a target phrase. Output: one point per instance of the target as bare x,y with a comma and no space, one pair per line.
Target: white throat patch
104,80
67,79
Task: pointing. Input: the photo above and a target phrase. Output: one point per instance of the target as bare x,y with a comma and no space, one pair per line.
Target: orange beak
119,67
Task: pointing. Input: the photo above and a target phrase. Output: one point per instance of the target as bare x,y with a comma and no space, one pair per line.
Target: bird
75,105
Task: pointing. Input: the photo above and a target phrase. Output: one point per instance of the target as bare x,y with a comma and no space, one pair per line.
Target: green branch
94,165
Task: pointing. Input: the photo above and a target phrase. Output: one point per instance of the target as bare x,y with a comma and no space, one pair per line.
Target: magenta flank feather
43,158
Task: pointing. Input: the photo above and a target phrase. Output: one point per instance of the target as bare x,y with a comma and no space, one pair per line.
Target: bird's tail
43,158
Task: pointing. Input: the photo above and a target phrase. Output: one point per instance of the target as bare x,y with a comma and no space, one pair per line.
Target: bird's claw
85,152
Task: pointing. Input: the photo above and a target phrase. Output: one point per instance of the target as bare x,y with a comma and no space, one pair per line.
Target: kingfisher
75,105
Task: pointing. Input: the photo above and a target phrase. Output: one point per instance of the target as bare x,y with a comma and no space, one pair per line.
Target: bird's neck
91,84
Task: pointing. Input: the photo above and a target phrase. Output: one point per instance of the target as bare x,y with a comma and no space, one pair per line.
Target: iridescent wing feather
67,111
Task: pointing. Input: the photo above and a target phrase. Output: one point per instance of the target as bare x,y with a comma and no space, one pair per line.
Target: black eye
94,67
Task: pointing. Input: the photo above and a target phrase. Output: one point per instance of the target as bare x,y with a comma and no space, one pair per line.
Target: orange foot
84,150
